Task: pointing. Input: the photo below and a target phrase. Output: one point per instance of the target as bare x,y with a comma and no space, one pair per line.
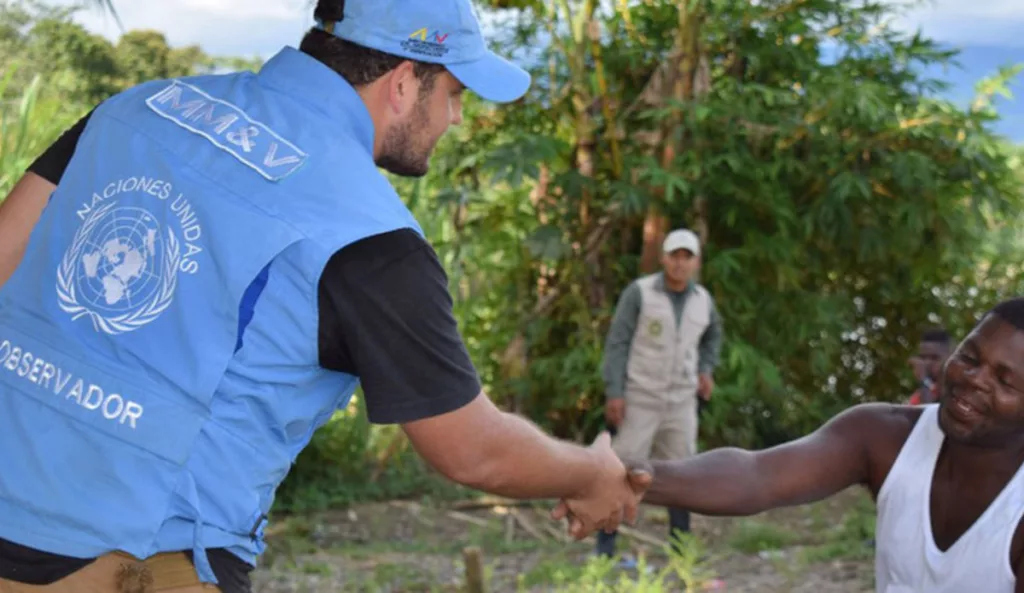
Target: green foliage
684,570
752,537
846,206
53,71
81,67
145,55
28,124
337,468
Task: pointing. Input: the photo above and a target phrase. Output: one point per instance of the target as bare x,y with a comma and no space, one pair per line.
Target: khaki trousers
657,429
120,573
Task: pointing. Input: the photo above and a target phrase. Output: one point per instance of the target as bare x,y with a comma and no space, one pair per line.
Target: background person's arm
735,482
615,358
709,351
617,344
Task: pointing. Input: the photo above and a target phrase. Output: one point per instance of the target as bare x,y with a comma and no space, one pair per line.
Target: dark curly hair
1011,311
358,65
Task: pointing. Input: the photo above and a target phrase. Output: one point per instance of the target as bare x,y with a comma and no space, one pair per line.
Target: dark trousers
678,521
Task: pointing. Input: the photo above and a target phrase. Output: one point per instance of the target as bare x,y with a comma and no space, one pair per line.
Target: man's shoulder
884,431
895,419
881,431
647,281
375,252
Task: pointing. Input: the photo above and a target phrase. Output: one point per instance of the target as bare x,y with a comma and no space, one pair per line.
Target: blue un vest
158,344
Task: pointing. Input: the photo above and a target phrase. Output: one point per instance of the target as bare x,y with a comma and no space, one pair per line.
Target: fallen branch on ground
489,502
469,519
642,537
527,525
416,510
556,533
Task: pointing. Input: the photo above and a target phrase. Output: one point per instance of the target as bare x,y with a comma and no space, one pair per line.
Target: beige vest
663,360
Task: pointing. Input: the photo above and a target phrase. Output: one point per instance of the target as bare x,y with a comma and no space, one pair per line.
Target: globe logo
120,270
116,267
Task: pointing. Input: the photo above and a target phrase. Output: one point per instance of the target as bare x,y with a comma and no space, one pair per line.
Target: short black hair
358,65
936,335
1011,311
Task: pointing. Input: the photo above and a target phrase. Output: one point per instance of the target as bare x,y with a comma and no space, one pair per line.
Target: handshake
611,496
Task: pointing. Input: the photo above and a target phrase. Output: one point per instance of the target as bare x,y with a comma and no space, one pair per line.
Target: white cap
681,239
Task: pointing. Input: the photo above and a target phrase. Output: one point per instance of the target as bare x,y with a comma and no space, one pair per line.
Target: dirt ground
406,546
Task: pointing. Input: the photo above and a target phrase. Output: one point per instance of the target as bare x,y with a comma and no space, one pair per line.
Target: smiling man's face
982,400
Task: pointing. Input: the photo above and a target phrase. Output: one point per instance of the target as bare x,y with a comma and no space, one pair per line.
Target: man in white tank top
948,478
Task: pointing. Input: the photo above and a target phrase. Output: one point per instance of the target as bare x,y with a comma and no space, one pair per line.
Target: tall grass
688,569
30,120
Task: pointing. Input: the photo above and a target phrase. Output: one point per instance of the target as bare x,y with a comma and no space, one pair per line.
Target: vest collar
301,76
659,284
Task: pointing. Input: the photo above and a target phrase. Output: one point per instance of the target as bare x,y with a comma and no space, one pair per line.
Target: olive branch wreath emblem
125,322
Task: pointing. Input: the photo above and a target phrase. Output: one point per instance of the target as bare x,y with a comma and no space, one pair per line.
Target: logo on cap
421,42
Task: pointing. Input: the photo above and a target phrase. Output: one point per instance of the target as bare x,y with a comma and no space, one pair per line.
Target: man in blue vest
195,277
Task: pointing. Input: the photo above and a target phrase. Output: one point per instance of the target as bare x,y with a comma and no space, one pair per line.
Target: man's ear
403,88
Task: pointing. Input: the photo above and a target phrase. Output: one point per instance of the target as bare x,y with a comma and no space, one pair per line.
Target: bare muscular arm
480,446
856,447
19,213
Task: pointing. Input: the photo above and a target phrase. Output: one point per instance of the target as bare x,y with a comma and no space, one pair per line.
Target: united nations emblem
120,270
654,328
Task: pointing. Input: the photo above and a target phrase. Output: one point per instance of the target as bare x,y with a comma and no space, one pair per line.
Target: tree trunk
679,82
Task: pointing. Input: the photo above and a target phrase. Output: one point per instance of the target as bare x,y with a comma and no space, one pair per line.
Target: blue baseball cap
438,31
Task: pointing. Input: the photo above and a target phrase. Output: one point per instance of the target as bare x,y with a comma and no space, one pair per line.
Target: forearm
613,369
735,482
710,347
19,213
719,482
618,342
520,461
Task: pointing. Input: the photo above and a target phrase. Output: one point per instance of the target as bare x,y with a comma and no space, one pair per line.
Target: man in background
932,352
659,361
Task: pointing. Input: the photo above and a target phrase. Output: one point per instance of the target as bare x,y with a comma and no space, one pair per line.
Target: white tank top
907,559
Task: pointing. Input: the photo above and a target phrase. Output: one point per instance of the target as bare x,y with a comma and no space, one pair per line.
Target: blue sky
990,33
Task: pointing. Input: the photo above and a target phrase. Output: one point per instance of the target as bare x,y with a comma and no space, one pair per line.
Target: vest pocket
115,403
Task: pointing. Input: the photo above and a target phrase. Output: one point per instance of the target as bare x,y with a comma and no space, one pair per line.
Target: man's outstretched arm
493,451
484,448
735,482
386,317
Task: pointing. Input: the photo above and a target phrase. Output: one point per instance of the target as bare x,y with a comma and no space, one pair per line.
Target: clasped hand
611,496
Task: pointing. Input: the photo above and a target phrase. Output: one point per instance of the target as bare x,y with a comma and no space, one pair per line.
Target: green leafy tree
52,71
145,55
845,206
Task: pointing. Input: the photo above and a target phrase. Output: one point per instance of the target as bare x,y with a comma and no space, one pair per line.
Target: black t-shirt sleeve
386,317
54,161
